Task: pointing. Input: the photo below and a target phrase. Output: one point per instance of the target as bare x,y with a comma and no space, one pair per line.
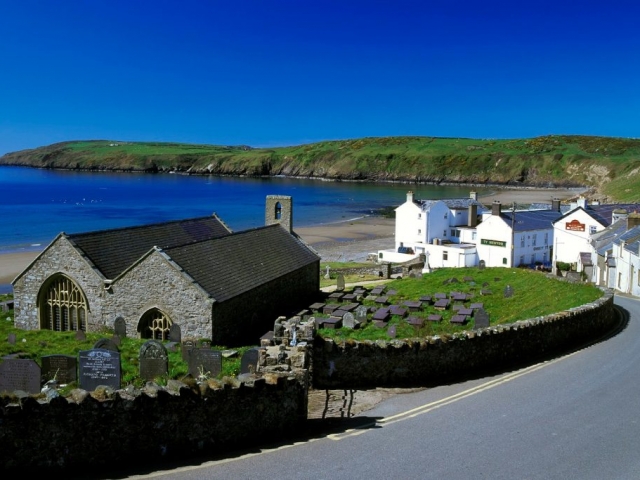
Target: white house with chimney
514,238
442,229
574,232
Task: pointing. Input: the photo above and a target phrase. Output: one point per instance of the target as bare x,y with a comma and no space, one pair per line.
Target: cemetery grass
34,344
535,294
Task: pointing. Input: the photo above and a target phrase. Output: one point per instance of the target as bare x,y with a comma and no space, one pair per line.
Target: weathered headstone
62,368
99,366
154,360
205,344
116,341
340,282
11,339
81,336
106,344
481,264
392,331
249,361
327,276
187,346
508,291
481,318
120,327
349,321
204,362
175,334
361,314
19,374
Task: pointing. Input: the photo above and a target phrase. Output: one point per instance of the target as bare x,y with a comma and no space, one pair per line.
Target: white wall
571,235
494,242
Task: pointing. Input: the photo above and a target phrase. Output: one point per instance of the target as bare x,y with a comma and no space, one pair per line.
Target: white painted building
626,252
513,238
574,231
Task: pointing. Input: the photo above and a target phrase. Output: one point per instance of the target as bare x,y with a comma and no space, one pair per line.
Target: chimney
496,208
582,202
473,195
473,215
410,196
555,204
633,220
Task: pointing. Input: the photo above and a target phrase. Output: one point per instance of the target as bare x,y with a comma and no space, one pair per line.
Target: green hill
609,166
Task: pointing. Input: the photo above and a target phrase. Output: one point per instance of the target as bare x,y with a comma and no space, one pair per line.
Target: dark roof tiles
113,251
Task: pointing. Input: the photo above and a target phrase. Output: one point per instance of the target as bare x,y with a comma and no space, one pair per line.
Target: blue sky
274,73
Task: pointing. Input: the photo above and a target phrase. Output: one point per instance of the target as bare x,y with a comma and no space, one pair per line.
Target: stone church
213,283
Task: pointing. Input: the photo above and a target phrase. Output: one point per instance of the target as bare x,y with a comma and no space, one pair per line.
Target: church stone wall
245,318
60,257
157,283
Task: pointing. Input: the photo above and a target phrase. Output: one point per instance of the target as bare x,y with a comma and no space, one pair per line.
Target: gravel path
352,250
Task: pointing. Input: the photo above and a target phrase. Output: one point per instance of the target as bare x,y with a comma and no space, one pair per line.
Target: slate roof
113,251
228,266
525,220
452,203
632,240
602,241
604,213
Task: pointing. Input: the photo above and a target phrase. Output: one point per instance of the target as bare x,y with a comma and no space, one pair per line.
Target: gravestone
19,374
481,318
81,336
205,362
205,344
116,341
120,327
361,314
154,360
508,291
11,339
175,335
392,331
349,321
340,282
186,348
481,264
99,366
62,368
249,361
327,276
106,344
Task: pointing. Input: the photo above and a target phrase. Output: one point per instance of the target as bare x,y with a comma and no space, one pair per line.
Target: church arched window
155,324
63,305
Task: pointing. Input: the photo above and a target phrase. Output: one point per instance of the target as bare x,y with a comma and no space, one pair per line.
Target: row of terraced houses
600,241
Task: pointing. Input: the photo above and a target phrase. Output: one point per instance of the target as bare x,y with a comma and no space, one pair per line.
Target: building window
419,216
444,234
278,211
504,260
592,229
535,239
63,306
474,235
419,231
445,255
155,324
521,259
546,238
445,215
522,241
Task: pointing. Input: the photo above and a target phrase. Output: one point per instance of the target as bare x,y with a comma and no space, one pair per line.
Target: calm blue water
38,204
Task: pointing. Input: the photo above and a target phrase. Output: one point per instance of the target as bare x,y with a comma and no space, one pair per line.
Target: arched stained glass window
63,306
155,324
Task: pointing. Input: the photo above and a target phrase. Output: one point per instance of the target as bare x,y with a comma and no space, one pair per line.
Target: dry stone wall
418,362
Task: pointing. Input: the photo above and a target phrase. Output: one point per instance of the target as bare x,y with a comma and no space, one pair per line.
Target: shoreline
343,240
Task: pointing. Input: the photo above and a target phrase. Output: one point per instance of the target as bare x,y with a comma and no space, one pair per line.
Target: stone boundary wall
385,268
426,361
107,428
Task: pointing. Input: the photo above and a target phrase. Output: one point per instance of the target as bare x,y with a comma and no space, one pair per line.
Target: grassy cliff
609,166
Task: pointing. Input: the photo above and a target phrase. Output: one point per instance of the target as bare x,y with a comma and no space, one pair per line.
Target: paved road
571,417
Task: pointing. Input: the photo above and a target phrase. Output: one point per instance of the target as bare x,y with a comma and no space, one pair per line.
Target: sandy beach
342,241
